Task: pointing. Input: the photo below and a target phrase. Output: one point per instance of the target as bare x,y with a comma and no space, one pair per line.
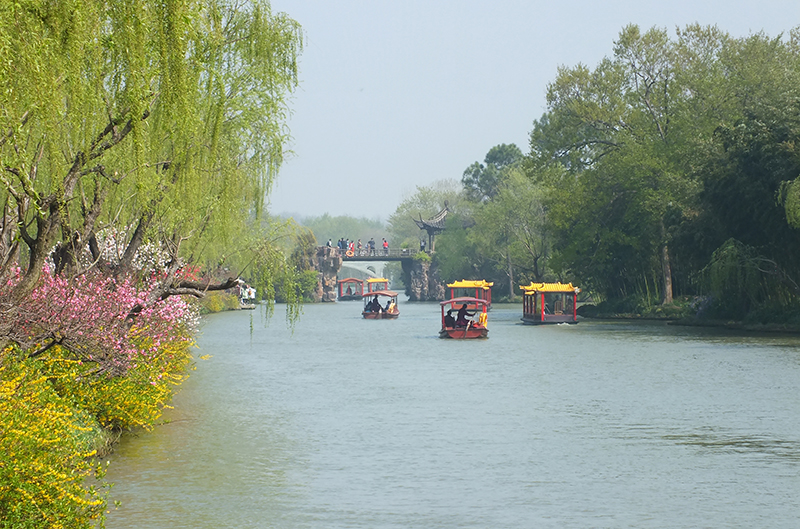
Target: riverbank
680,316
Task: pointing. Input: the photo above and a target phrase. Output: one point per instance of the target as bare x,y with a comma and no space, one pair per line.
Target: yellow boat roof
549,287
377,280
469,283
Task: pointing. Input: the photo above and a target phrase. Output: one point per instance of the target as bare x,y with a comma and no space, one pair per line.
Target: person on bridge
371,245
385,247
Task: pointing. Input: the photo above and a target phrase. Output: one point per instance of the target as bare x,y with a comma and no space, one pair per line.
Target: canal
380,424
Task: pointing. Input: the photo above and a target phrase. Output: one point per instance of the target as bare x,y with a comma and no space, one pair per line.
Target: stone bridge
422,282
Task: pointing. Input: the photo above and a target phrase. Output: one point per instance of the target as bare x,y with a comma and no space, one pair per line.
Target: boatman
461,317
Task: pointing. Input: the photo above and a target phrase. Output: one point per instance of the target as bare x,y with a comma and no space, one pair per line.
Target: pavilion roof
435,223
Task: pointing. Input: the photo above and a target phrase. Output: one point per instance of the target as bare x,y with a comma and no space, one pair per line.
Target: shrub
45,454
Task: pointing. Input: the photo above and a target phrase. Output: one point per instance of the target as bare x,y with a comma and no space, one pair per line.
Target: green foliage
483,182
456,256
735,279
327,227
668,148
305,250
219,302
161,120
422,257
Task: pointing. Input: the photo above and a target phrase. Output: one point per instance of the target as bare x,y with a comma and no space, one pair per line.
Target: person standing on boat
461,317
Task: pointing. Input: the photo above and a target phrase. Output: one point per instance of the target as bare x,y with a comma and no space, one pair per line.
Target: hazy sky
399,94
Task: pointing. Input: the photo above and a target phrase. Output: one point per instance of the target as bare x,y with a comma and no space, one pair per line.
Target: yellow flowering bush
55,415
45,452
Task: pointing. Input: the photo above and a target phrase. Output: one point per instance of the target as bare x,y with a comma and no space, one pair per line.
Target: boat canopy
388,293
377,280
456,301
350,280
533,288
468,283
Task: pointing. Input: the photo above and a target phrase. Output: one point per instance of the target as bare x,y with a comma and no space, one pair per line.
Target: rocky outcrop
422,281
328,264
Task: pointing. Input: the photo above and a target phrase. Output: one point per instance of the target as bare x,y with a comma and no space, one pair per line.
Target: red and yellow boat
461,328
544,303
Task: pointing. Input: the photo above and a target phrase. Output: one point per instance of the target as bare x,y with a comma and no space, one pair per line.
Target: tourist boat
475,328
387,300
375,284
544,303
350,288
480,289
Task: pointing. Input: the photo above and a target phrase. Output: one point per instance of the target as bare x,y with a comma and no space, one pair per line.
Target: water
380,424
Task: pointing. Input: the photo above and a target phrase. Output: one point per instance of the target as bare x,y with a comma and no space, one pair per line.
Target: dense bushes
79,370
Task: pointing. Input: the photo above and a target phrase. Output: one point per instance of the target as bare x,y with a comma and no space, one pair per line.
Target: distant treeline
667,172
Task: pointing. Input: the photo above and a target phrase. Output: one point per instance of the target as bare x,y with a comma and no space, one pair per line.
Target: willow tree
159,122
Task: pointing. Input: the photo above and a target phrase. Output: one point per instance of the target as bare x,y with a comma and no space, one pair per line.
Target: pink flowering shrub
91,317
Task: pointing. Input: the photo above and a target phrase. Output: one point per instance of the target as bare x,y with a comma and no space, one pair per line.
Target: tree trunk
666,270
510,276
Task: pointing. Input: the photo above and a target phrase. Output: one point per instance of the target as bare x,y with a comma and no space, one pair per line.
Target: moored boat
374,308
544,303
460,327
350,288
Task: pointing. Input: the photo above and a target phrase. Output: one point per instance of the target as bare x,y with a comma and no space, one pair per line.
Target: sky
398,95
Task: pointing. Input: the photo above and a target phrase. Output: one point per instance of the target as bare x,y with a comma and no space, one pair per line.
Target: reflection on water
755,445
354,423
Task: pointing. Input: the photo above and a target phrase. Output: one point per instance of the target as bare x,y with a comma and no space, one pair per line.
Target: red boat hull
462,333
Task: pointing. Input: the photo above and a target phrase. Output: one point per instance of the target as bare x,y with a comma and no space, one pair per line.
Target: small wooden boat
380,305
350,288
461,329
375,284
247,297
544,303
480,289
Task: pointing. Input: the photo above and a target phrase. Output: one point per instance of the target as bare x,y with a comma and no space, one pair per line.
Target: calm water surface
380,424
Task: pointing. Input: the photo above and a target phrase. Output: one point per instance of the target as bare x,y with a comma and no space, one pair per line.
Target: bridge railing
376,254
